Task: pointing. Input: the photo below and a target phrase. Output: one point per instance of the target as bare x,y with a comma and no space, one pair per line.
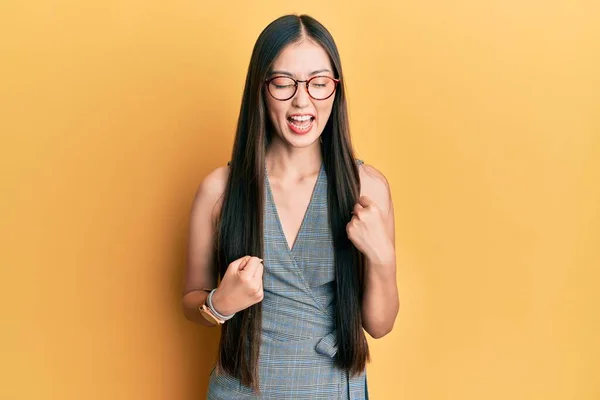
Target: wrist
219,304
382,258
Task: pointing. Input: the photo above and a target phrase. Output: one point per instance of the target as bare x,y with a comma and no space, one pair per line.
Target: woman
300,233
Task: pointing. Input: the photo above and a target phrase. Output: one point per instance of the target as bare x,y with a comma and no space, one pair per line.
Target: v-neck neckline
290,248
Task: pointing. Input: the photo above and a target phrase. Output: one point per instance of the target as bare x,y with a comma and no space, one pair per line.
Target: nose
301,99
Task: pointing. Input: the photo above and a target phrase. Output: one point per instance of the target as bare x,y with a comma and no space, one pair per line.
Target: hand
241,286
367,231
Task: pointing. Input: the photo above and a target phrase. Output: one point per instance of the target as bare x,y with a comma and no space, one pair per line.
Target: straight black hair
240,229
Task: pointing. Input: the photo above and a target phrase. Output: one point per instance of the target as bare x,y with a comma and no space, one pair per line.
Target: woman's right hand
241,286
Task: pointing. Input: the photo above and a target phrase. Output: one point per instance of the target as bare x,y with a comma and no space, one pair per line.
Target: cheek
324,110
275,110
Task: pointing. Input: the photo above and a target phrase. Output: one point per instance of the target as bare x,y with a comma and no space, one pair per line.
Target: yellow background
484,116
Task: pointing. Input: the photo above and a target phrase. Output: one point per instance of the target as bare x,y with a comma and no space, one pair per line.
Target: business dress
298,341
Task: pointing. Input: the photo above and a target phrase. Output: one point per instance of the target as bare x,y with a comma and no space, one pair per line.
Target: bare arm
380,301
201,255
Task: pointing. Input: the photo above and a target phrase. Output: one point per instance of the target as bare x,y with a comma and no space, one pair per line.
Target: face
300,120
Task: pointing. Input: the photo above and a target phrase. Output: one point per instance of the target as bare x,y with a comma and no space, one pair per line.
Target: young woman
298,233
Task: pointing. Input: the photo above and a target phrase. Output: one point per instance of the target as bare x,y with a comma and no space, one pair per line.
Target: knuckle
255,260
257,294
254,287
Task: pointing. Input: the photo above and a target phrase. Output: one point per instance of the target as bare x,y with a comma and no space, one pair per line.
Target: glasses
283,88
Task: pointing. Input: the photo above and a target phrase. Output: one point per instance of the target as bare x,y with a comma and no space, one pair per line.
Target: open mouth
300,123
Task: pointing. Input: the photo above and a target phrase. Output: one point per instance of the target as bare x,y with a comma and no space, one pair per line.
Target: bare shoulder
375,186
215,182
211,189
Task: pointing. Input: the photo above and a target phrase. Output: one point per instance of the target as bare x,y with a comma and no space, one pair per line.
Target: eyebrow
291,75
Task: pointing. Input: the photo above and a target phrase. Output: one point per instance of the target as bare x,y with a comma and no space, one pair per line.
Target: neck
292,162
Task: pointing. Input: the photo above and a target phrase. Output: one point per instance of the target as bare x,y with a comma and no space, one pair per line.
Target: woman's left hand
367,230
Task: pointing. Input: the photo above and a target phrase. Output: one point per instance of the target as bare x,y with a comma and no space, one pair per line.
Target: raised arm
200,272
372,230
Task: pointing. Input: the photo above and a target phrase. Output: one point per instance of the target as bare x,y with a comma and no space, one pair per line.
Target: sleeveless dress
298,341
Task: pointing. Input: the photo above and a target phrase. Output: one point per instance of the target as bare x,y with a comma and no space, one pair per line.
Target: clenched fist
367,231
241,286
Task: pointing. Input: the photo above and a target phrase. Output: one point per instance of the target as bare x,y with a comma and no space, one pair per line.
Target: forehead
302,58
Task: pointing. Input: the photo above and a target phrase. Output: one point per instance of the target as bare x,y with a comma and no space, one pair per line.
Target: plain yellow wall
484,116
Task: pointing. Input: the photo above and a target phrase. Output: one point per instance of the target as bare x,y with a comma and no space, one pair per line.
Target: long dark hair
240,230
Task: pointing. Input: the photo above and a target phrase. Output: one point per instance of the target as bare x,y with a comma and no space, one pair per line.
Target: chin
301,141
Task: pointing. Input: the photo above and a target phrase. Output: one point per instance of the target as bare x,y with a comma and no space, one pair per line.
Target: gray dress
298,342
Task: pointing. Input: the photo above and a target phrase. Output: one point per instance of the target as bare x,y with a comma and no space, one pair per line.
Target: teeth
301,118
304,127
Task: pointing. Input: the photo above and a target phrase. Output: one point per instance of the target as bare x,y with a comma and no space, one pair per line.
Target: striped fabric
298,343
